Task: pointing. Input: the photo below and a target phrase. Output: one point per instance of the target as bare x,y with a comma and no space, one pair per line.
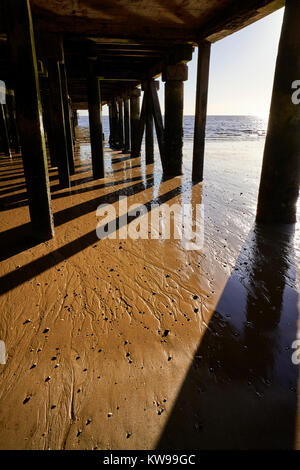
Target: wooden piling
280,176
67,118
158,121
201,109
28,107
56,115
174,76
4,136
115,123
96,137
120,124
126,126
134,120
149,146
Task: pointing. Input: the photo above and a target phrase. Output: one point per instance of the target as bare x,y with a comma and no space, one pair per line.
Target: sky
241,71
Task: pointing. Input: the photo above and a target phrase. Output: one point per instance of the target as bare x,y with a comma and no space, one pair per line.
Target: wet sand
124,344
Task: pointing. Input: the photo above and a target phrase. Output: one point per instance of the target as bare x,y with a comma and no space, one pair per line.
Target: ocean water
217,127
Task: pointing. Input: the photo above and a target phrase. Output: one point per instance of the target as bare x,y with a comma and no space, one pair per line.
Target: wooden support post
115,124
120,124
126,126
110,125
134,120
11,108
28,106
56,115
4,136
200,109
141,128
174,76
66,109
280,177
149,148
96,137
158,121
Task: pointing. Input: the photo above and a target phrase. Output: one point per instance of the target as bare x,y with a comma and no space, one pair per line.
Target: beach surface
143,344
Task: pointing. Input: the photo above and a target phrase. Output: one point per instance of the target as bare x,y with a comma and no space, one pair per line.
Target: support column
115,123
280,176
56,115
96,136
28,106
120,124
65,101
11,108
149,147
158,121
200,109
174,76
110,140
134,120
126,126
4,136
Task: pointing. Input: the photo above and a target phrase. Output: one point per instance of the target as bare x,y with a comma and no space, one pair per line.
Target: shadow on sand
240,391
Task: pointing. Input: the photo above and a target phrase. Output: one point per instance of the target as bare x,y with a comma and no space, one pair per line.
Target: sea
234,150
217,127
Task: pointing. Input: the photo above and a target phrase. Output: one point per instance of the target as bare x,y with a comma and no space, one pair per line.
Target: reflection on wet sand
132,344
241,389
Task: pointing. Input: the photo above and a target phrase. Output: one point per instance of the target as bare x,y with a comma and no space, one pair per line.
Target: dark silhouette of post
28,106
174,76
4,136
134,120
200,109
120,124
96,137
280,176
126,126
66,109
149,146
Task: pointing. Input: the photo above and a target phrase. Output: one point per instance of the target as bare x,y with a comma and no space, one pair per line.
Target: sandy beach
141,344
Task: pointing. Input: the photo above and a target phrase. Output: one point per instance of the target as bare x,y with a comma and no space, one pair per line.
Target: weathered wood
141,129
115,124
158,121
28,106
280,177
96,136
110,140
4,136
58,145
13,128
149,147
200,109
134,121
120,124
174,76
66,109
126,126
